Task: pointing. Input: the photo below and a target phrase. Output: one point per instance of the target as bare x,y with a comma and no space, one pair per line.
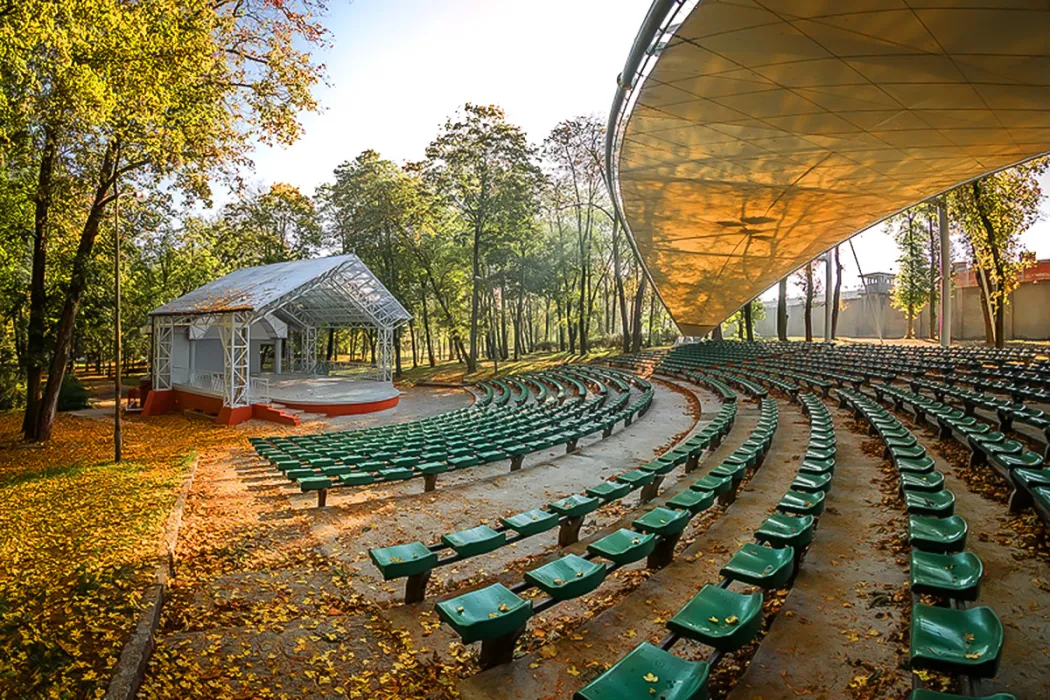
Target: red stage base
172,400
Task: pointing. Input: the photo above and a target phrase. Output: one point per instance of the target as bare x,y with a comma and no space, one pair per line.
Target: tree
160,90
837,297
806,282
911,288
992,212
782,310
575,146
274,226
481,165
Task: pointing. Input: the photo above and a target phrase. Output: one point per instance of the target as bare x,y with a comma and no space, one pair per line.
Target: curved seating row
966,642
716,616
1023,469
496,615
458,439
415,560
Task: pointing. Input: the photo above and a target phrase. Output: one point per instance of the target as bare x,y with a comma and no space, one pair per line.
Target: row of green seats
716,616
1024,469
1006,410
496,615
432,446
956,640
416,560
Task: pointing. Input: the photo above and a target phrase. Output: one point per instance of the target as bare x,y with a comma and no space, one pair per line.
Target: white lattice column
309,337
235,335
163,340
385,354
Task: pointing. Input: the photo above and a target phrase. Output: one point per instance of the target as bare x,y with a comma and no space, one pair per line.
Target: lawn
450,371
79,542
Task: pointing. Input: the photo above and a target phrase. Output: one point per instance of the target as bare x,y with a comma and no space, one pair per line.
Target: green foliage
73,395
912,286
992,213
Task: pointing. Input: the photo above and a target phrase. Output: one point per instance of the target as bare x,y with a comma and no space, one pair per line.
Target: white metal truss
309,336
163,340
385,354
235,335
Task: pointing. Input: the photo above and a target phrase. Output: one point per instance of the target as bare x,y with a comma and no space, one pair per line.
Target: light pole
117,379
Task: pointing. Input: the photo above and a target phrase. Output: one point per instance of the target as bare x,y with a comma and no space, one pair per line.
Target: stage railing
259,389
203,379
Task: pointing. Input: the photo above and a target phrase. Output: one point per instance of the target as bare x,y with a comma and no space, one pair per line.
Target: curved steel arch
765,132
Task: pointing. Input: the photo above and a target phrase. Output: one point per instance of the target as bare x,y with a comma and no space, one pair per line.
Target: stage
333,396
277,397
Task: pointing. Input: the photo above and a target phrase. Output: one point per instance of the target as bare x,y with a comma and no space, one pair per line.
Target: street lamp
117,380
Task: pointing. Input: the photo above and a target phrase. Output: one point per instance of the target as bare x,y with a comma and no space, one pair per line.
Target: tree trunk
331,345
1000,325
808,314
426,330
74,294
618,273
652,316
636,338
412,334
782,311
837,297
748,324
472,358
35,351
910,331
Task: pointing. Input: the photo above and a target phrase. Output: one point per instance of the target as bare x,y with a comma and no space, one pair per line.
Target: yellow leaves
548,651
650,678
973,655
572,670
732,620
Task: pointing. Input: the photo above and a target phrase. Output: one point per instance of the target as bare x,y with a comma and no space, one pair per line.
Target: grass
79,539
452,372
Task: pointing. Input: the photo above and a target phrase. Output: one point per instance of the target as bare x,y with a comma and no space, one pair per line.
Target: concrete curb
131,667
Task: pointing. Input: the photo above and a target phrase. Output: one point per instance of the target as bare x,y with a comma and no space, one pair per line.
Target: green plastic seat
968,642
464,461
765,567
575,505
812,483
734,471
663,521
475,540
396,474
1021,460
922,465
431,468
531,522
937,534
937,503
780,530
812,466
931,481
403,560
636,478
300,473
719,618
609,491
487,613
314,483
649,672
713,483
692,501
658,467
568,577
801,503
623,546
357,478
955,576
923,694
1030,478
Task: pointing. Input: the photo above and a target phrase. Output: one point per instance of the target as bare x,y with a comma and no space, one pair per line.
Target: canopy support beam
946,275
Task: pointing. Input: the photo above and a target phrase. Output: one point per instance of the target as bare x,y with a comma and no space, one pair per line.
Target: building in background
868,313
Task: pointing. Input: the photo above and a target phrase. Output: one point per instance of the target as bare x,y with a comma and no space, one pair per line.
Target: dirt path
833,634
591,634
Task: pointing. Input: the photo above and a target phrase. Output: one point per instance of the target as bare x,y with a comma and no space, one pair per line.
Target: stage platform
289,395
333,396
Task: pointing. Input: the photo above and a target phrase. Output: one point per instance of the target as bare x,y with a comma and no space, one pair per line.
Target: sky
398,68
